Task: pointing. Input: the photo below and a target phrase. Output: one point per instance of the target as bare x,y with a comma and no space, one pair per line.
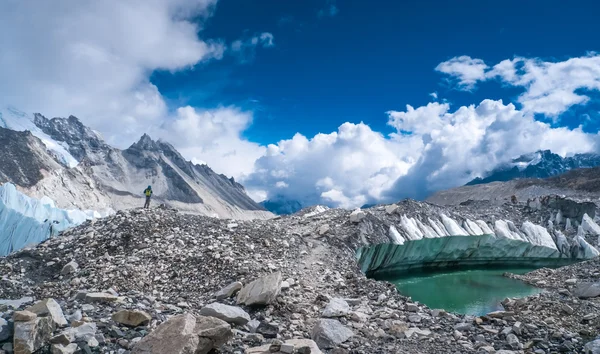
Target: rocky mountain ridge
541,164
70,163
580,184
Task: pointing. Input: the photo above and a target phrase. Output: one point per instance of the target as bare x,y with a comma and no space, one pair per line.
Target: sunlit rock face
420,236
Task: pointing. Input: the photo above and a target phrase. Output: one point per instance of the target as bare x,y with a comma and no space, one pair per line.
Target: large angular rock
64,349
357,215
69,268
49,307
587,290
295,343
23,316
228,291
32,335
262,291
230,314
5,330
185,334
329,333
132,318
85,332
592,347
100,297
336,308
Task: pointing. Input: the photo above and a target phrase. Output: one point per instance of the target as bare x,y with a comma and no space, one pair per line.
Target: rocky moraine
161,281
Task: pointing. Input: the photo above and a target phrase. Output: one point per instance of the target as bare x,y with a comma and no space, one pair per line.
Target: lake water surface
473,292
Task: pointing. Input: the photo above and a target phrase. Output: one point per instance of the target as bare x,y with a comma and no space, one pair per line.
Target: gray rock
23,316
229,290
253,326
323,229
592,347
518,328
329,333
410,307
567,309
49,307
296,344
32,335
69,268
132,318
336,308
100,297
414,318
230,314
5,330
463,327
85,332
75,316
185,334
416,332
64,349
587,290
261,291
357,215
513,341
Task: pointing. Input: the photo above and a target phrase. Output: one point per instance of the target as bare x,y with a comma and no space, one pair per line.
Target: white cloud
213,137
466,70
245,48
551,88
93,59
434,148
434,95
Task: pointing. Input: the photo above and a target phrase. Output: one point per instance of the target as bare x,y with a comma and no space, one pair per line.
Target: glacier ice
438,241
19,121
27,221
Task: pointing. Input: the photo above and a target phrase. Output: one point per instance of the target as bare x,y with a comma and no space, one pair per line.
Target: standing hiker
148,193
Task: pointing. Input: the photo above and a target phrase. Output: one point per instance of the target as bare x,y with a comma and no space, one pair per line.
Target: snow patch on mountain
13,119
27,221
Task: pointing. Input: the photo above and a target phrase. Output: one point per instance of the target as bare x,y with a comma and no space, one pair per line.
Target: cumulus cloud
349,167
433,148
466,70
213,137
551,88
93,58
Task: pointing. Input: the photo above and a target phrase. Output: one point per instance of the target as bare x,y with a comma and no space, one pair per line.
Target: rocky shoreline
159,281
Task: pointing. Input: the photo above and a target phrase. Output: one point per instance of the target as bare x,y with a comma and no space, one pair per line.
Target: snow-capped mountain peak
16,120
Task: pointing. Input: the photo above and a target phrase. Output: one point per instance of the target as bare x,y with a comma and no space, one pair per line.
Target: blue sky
371,57
273,93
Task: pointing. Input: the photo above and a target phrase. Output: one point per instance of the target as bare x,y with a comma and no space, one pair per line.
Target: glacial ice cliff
26,221
413,235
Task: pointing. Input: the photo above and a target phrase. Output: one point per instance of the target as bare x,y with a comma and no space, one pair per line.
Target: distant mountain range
281,206
541,164
70,163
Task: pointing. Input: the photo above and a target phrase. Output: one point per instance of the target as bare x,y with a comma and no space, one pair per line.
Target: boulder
230,314
357,215
296,344
69,268
592,347
229,290
84,332
185,334
5,330
49,307
587,290
23,316
323,229
336,308
261,291
32,335
416,332
390,209
329,333
131,318
64,349
100,297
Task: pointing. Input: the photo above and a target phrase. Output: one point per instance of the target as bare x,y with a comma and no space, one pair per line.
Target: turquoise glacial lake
472,292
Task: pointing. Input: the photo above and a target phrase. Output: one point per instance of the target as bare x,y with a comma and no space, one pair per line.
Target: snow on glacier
13,119
27,221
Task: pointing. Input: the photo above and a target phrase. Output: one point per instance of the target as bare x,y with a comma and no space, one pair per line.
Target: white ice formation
26,221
